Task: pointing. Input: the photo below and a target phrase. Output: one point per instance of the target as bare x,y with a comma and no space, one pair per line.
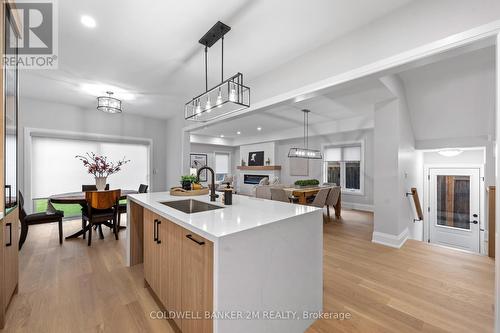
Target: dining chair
49,216
86,188
333,198
279,194
320,198
122,208
102,207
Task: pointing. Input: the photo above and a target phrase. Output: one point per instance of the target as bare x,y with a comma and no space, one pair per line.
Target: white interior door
454,208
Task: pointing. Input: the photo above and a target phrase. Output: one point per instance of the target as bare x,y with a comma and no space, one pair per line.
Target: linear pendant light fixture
305,152
225,98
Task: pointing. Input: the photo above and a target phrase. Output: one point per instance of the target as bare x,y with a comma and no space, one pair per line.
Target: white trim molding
390,240
358,206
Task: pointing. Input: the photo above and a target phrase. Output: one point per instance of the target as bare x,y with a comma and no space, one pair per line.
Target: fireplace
253,179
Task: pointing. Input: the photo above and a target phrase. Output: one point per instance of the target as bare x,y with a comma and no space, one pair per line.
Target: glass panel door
454,214
453,201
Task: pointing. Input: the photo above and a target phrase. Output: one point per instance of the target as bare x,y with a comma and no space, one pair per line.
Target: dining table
303,194
79,198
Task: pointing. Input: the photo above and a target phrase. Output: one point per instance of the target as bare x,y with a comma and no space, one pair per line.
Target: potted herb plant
186,181
101,168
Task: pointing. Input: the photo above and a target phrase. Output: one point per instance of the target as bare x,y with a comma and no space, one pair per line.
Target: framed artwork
197,161
256,158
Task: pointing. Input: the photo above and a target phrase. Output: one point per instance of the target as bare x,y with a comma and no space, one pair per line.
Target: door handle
474,215
474,222
155,237
194,240
10,234
158,241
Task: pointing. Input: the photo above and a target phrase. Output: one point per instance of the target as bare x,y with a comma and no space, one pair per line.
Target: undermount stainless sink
190,206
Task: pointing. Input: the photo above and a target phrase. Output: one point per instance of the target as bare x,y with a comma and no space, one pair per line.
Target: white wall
397,169
409,167
364,201
267,147
60,117
386,159
177,150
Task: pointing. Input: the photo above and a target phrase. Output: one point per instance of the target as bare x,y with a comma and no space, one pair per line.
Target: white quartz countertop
245,213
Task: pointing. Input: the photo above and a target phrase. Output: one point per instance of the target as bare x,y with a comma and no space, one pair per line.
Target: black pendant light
305,152
225,98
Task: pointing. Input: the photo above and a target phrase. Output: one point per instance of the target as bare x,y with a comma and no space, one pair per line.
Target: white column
497,184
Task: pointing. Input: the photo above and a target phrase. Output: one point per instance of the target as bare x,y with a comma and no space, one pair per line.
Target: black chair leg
24,234
90,236
115,228
101,235
83,227
60,231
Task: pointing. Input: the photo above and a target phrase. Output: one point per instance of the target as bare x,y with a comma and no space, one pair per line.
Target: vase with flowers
100,167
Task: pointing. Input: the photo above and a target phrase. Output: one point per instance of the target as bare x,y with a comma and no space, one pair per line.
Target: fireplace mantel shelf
260,167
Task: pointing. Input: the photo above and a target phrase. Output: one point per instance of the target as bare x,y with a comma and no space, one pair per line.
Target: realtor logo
31,36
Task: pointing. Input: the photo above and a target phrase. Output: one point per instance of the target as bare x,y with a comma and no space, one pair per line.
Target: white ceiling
341,103
456,88
150,49
453,98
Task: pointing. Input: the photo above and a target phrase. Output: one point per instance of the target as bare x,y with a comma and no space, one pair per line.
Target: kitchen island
254,266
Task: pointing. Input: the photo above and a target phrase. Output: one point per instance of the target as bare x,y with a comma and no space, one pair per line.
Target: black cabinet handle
194,240
10,234
155,237
158,241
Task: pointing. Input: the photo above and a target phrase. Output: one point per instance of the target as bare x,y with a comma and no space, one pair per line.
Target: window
55,169
342,166
221,166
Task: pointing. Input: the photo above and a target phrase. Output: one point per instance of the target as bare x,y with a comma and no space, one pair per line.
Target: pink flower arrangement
99,166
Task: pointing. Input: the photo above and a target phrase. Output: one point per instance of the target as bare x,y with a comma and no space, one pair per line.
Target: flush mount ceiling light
109,104
225,98
88,21
450,152
305,152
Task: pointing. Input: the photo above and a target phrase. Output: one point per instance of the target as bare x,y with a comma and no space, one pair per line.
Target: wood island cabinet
178,267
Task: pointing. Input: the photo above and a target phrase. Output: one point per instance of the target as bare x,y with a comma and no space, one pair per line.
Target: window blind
338,154
222,163
54,168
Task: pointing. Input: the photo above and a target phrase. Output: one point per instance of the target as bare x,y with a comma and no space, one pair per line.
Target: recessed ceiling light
88,21
450,152
259,128
222,135
238,132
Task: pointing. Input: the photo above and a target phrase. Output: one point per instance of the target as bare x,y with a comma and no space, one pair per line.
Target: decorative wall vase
100,183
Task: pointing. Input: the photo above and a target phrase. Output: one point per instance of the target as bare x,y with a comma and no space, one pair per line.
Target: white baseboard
357,206
390,240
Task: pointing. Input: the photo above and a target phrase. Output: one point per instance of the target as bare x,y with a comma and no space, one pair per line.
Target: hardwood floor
419,288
